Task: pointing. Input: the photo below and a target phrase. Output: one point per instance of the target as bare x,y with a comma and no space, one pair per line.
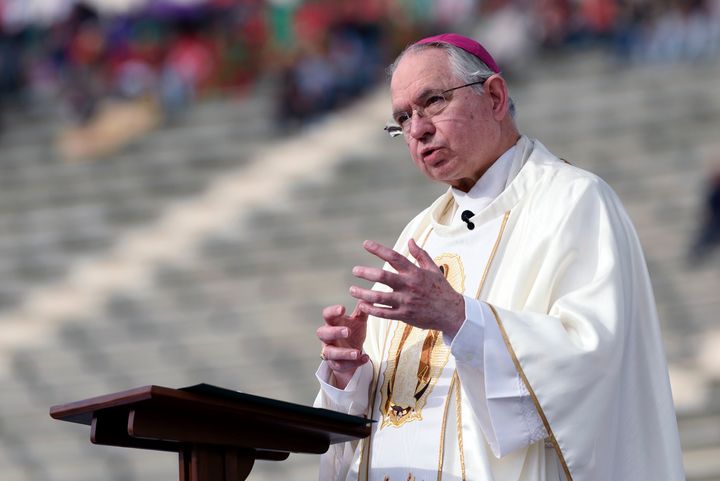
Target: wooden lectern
218,433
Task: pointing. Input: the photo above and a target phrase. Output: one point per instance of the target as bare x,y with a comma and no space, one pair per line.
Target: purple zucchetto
465,43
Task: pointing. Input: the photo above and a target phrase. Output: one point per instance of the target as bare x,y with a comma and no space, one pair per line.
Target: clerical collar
489,186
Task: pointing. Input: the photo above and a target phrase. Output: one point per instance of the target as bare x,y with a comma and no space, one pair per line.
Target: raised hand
421,296
342,337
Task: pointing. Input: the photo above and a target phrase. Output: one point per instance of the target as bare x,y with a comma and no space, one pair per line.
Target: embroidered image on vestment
416,358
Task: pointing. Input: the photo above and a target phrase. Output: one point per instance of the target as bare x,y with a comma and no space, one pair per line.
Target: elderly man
512,333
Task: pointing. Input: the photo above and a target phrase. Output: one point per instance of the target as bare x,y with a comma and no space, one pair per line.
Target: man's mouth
427,150
429,155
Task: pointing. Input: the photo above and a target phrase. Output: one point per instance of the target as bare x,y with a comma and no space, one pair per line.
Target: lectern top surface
212,428
202,399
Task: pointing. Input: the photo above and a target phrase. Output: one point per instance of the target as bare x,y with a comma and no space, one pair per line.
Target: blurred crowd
170,53
631,30
323,53
114,76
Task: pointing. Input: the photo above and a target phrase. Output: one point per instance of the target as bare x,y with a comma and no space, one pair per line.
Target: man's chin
441,171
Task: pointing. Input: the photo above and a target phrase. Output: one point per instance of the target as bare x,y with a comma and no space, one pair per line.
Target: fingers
421,255
329,334
382,276
374,297
382,312
342,330
346,367
343,359
332,314
358,313
335,353
395,259
342,337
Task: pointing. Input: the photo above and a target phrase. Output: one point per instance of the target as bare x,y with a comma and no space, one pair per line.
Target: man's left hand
421,296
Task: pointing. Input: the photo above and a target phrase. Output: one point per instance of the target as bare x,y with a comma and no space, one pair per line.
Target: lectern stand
217,433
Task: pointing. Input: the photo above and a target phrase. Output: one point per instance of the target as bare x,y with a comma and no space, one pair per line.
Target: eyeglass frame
396,130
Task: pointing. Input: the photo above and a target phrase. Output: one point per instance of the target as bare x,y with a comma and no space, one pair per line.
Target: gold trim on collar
492,255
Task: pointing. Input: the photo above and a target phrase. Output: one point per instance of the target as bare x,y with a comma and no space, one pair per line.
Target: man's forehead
419,72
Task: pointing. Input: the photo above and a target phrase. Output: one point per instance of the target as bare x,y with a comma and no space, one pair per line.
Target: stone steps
54,213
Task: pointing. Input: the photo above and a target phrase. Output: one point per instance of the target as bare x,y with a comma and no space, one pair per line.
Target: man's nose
420,125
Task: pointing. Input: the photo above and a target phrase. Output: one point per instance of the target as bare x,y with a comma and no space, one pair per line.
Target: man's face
460,143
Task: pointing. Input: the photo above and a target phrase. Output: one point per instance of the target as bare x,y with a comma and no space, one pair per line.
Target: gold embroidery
416,360
534,398
389,385
366,448
366,452
455,380
441,458
410,477
458,420
452,268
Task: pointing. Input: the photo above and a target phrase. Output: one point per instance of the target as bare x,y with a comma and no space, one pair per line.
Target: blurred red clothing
599,15
194,60
312,22
87,45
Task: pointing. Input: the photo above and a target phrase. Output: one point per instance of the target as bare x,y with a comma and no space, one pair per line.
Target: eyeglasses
432,104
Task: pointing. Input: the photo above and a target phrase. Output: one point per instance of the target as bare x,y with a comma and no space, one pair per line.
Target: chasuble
558,372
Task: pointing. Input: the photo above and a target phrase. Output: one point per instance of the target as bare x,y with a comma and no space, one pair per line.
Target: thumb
423,258
357,313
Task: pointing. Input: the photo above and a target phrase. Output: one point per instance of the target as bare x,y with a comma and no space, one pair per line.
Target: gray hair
466,66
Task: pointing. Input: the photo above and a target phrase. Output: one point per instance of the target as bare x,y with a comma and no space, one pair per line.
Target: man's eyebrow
424,94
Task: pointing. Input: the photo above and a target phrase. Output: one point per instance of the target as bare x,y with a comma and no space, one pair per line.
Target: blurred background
185,184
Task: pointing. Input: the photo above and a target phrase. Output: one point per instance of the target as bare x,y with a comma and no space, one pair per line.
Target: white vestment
559,301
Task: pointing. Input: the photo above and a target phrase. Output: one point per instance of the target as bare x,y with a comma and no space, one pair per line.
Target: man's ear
497,89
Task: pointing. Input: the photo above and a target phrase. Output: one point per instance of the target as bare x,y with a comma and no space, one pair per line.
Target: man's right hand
342,338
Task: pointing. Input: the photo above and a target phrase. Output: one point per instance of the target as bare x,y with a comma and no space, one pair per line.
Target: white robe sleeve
502,405
581,326
351,400
335,463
